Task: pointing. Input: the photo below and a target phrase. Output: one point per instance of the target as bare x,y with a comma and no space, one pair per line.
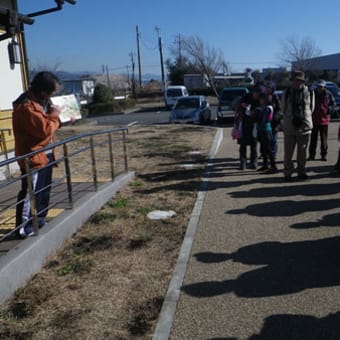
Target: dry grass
109,280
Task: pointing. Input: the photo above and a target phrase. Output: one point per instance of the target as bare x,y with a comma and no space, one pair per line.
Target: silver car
227,100
191,109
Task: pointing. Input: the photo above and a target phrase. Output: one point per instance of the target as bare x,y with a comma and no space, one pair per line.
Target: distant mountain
64,75
151,76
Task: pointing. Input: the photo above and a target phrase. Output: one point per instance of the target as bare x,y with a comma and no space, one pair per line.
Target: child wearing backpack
263,117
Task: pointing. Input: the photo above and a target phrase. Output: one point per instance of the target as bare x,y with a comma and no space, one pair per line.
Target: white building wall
11,84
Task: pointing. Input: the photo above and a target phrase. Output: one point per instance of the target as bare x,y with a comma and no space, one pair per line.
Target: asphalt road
152,116
142,117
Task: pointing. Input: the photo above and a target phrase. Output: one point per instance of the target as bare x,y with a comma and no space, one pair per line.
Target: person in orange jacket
35,121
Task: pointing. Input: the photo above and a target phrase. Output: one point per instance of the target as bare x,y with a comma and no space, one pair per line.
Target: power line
145,44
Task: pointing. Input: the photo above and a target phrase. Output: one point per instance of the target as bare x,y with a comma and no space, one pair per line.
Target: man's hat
298,75
321,83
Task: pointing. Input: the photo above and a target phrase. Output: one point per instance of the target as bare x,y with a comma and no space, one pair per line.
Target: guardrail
86,161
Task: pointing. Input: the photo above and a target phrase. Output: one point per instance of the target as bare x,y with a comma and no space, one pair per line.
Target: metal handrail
64,141
64,188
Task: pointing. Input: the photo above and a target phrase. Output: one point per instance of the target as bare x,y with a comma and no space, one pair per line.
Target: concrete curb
20,263
167,314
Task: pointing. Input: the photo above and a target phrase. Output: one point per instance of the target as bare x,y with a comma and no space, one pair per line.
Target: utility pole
161,55
128,74
139,63
133,75
180,50
108,77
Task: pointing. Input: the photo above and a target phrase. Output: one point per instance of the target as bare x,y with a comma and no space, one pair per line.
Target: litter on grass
160,214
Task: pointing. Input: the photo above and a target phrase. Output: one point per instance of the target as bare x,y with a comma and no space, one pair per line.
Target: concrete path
265,261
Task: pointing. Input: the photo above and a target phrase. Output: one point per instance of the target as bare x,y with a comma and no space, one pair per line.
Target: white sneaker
23,233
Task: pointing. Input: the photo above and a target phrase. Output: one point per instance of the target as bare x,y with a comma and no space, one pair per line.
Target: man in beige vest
297,108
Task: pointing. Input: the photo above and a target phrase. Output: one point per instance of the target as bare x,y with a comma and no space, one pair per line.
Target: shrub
113,106
102,94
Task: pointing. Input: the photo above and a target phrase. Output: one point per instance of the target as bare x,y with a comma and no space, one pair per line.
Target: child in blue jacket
264,116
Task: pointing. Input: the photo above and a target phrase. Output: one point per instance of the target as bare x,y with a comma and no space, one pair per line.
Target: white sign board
69,107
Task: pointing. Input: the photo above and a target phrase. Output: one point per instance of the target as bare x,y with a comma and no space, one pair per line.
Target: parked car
191,109
172,93
227,100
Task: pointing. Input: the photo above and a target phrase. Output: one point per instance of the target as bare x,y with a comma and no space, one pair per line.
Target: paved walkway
265,261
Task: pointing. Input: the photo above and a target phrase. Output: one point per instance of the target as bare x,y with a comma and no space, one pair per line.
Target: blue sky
93,33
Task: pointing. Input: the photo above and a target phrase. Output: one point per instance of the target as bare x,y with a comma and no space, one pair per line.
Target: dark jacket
323,102
246,114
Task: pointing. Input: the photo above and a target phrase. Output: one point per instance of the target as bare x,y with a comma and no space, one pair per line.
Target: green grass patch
136,184
75,266
102,216
119,203
144,210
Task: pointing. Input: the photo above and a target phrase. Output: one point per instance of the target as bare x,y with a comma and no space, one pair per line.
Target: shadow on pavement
286,208
216,167
297,327
317,189
300,327
331,220
286,268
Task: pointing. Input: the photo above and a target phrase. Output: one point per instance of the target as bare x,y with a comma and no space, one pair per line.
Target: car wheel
208,121
219,120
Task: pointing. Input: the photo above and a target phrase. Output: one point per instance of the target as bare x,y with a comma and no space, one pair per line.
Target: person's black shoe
287,178
271,171
310,158
335,172
324,159
302,176
263,168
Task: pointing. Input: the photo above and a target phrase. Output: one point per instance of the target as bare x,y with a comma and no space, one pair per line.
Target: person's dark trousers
42,180
274,143
253,153
317,130
243,155
337,165
266,148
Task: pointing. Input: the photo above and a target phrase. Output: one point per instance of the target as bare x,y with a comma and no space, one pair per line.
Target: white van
172,93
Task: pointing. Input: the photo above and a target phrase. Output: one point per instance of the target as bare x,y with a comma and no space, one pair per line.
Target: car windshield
188,103
174,93
231,95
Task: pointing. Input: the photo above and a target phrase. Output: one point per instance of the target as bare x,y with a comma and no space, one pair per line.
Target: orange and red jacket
33,130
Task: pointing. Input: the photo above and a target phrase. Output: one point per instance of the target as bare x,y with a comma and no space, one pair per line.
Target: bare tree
41,66
298,52
208,60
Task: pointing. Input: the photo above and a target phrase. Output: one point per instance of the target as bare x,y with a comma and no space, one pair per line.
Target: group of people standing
302,114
